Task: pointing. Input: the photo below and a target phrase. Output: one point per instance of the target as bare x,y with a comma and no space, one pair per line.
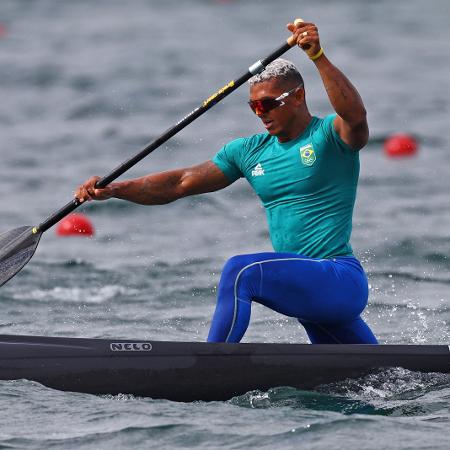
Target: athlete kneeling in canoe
305,170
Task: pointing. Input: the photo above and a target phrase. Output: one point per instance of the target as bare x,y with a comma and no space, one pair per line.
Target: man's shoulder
325,131
257,141
323,124
244,146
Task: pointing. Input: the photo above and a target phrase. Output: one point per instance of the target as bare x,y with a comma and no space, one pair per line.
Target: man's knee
236,264
241,272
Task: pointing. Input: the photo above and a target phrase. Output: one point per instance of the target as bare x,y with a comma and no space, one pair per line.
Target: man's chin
271,130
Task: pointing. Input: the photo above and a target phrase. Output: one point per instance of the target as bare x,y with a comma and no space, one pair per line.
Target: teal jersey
307,186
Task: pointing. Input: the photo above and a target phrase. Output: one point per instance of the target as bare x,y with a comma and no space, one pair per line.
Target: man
305,170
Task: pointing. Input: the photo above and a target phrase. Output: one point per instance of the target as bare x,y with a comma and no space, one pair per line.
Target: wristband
317,55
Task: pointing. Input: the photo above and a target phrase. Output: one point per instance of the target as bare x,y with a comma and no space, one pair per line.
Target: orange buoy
75,225
3,31
400,145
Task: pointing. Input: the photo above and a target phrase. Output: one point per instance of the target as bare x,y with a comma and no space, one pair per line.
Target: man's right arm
159,188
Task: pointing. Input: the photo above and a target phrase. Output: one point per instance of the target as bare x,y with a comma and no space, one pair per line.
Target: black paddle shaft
256,68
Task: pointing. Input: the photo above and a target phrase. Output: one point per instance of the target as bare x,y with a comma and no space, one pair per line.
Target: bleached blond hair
281,69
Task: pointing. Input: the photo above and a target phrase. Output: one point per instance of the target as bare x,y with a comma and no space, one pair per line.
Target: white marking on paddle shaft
233,323
187,117
256,68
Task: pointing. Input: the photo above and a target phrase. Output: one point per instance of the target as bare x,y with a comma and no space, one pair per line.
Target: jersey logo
258,170
308,155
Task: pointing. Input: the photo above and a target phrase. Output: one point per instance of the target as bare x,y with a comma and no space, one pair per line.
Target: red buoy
75,225
3,31
400,145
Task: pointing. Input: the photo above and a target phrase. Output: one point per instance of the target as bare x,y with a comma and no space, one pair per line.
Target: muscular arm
159,188
351,121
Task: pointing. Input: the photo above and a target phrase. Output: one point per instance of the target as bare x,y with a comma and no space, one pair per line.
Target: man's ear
300,95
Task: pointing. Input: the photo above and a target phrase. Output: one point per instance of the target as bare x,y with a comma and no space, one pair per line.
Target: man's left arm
351,121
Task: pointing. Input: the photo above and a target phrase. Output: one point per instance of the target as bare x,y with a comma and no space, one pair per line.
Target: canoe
189,371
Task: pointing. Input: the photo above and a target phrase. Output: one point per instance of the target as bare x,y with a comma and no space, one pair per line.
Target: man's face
277,120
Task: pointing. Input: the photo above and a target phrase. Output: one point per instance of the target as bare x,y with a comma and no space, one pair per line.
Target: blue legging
327,296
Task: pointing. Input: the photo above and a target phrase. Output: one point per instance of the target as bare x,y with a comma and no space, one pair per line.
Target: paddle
17,246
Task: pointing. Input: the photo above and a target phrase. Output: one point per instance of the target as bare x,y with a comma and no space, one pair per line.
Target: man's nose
260,112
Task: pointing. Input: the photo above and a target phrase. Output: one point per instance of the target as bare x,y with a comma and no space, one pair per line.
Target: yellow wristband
317,55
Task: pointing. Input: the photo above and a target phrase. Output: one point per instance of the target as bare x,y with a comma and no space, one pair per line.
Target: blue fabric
327,296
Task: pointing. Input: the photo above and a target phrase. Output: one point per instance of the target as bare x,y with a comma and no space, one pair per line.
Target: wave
75,294
393,392
407,276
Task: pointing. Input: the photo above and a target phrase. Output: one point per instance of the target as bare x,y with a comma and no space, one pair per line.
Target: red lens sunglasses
265,105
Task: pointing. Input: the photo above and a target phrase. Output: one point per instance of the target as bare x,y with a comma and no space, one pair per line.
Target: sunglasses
267,104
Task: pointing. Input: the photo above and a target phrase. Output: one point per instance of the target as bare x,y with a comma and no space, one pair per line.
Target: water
84,85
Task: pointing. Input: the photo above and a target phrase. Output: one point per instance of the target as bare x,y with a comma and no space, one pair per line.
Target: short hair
281,69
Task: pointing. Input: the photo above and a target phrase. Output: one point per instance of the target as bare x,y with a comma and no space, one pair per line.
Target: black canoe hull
187,371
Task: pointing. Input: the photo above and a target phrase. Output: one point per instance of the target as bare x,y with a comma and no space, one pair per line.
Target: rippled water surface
85,85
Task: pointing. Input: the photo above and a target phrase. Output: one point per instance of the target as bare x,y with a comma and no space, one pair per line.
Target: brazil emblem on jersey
308,155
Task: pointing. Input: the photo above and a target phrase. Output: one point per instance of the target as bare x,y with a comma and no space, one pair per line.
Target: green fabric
307,186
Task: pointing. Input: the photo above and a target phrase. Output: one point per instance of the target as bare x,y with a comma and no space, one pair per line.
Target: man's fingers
98,193
308,30
308,37
301,30
81,197
299,26
87,191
